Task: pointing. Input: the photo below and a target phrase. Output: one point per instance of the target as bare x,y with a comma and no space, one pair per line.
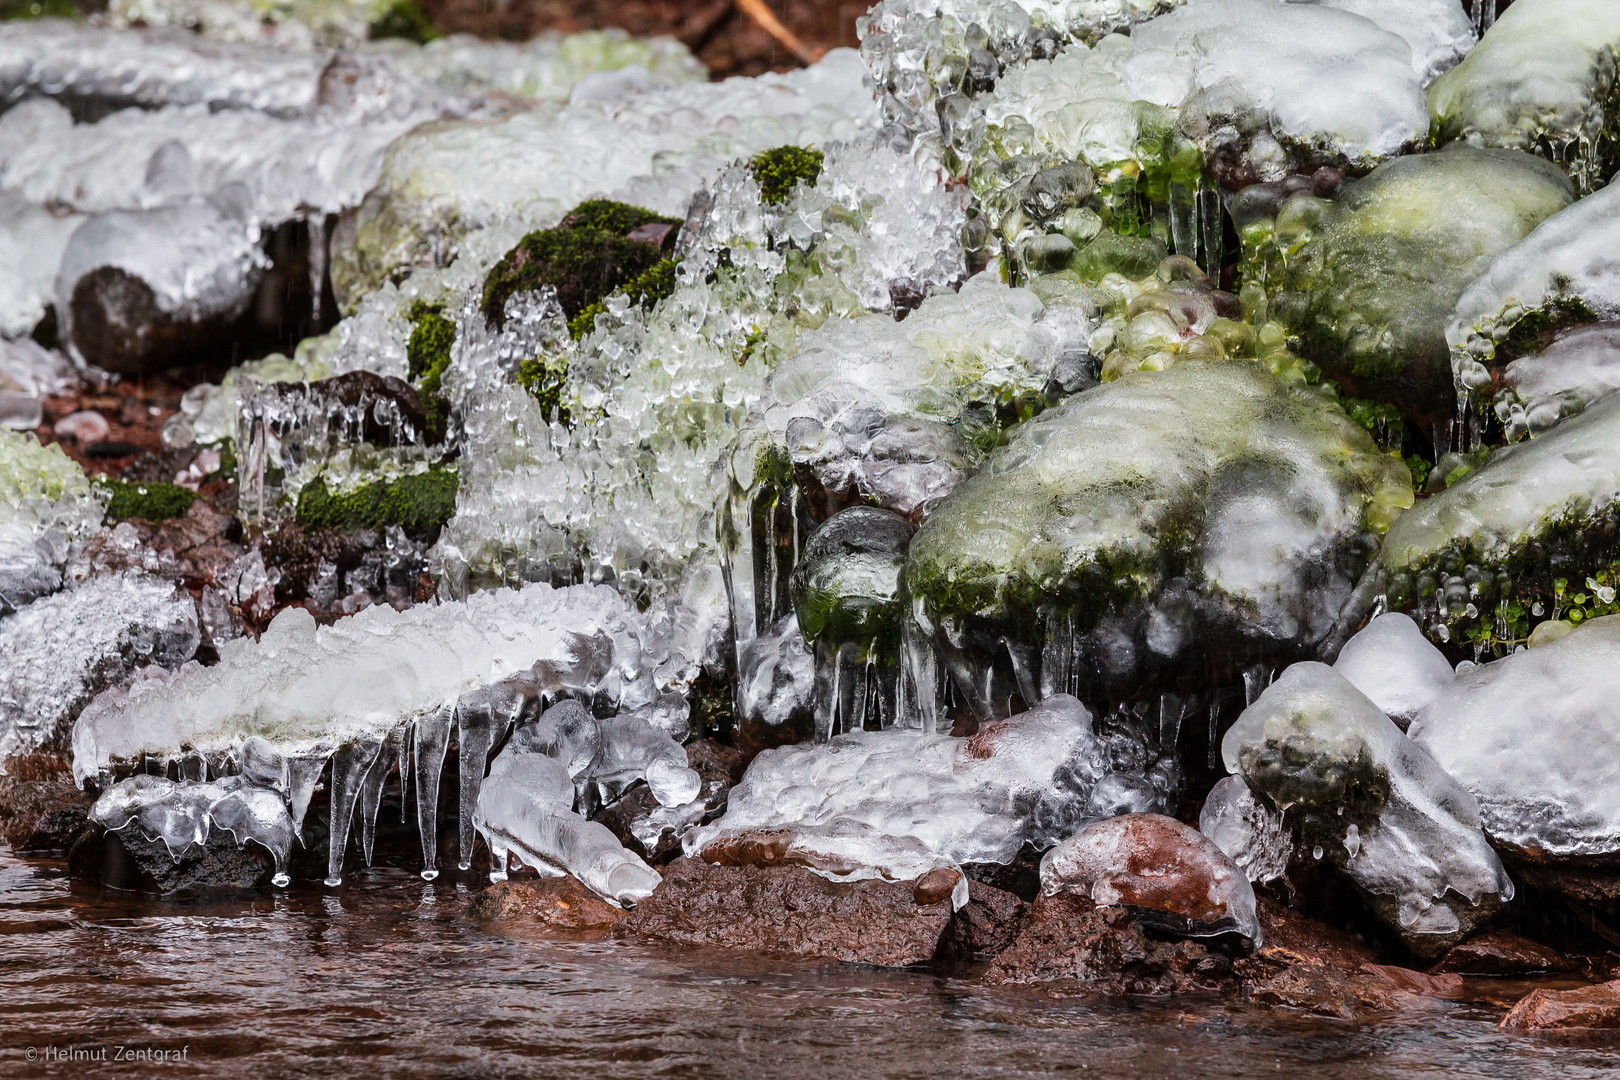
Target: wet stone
1501,953
560,903
1588,1008
985,926
788,910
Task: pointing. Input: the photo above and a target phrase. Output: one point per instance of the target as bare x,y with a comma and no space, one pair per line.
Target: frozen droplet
1316,852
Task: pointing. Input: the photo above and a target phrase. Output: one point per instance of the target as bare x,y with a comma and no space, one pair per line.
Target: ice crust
1378,804
1396,667
183,813
1539,81
32,239
1561,380
1533,737
59,651
1252,834
46,504
895,804
650,148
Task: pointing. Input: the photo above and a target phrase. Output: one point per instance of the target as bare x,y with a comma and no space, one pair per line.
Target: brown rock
936,885
1590,1007
364,405
41,815
1501,954
561,903
790,911
716,761
1406,981
985,926
1068,939
1169,875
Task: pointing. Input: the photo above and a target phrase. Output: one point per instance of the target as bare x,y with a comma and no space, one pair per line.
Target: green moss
585,258
227,463
1538,328
544,381
778,171
418,502
153,501
35,9
404,19
1134,257
427,355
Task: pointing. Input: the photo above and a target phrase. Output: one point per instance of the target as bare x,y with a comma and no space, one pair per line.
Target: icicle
1171,708
1184,220
302,770
1255,679
497,857
258,814
1214,729
923,671
482,716
1210,222
404,740
371,794
317,264
432,740
350,765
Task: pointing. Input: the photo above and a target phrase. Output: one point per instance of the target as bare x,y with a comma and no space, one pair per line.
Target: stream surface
388,977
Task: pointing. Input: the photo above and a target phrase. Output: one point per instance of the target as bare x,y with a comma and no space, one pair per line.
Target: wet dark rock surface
561,903
790,911
1588,1008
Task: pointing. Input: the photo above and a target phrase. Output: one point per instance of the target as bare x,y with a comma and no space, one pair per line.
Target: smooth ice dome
1534,738
1398,668
1374,801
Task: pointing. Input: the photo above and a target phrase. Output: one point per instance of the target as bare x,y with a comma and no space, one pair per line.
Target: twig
756,10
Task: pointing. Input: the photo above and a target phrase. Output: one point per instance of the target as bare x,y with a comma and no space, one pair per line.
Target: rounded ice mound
1375,804
1535,737
1398,668
846,585
1209,510
1252,834
1379,278
1170,875
1556,383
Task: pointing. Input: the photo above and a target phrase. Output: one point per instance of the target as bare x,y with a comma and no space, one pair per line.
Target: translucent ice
182,813
1324,755
1252,834
525,807
28,374
31,243
895,804
1545,387
1540,80
289,24
1533,736
60,651
1395,666
45,490
1169,874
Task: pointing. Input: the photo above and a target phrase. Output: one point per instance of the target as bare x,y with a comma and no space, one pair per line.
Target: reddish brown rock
561,903
1169,875
1590,1007
40,808
936,885
1070,940
985,926
790,911
1406,981
1502,954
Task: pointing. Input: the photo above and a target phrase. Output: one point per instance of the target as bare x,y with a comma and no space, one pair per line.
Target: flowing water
388,976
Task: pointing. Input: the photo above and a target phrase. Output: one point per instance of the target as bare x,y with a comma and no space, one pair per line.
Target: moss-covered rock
419,502
427,356
779,171
544,378
846,586
403,19
1375,288
1208,511
147,500
1542,80
1512,537
599,247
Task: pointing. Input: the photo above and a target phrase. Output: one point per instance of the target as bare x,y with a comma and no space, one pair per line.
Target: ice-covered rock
655,148
183,813
1168,874
1437,31
1510,530
1532,736
1381,273
1372,802
1208,510
292,25
1540,80
31,242
1563,274
896,804
58,652
1252,834
1395,666
46,503
1543,388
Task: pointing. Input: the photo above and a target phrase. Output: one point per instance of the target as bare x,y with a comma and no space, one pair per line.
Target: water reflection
388,975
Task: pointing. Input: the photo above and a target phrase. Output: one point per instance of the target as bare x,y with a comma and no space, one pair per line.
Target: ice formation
1541,389
1395,666
1252,834
655,397
1532,513
1120,535
1564,271
896,804
652,148
1533,736
32,239
1540,80
1377,804
183,813
46,503
29,373
57,652
1170,875
378,686
290,24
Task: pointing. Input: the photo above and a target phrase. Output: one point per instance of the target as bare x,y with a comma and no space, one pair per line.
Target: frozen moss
418,502
778,171
150,501
404,19
427,355
544,380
